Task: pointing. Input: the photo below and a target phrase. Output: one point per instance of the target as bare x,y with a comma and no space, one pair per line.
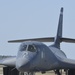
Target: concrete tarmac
1,71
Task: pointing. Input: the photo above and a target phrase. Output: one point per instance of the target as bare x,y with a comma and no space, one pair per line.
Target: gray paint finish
35,56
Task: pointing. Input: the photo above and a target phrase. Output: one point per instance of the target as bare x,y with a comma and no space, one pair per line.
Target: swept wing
8,60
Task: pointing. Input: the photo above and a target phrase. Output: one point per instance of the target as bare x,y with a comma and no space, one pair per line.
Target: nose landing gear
57,72
27,73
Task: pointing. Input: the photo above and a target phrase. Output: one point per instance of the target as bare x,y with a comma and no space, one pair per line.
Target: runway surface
1,71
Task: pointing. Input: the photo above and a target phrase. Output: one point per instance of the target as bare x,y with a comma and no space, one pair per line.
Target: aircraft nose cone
23,63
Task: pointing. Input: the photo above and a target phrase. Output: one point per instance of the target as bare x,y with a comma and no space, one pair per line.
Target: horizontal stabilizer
46,39
68,40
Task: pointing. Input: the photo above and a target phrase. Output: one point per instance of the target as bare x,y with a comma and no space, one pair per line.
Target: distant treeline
2,57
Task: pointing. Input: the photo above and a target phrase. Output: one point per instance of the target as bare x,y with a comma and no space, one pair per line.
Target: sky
24,19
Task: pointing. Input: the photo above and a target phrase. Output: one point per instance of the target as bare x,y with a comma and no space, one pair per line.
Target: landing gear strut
57,72
27,73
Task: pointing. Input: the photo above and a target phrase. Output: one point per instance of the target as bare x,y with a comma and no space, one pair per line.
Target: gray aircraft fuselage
43,58
35,56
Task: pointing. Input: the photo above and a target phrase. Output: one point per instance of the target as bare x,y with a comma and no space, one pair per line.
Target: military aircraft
34,56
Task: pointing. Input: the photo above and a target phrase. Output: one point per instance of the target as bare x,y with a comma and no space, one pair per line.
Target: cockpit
31,48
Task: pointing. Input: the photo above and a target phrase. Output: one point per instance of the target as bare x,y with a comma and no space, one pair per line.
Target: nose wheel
27,73
57,72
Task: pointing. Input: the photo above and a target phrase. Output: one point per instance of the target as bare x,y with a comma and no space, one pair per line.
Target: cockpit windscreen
23,48
31,48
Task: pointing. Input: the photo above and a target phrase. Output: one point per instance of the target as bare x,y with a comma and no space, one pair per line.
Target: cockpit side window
23,48
31,48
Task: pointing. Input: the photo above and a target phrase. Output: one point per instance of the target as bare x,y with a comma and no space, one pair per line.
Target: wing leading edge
8,61
65,63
